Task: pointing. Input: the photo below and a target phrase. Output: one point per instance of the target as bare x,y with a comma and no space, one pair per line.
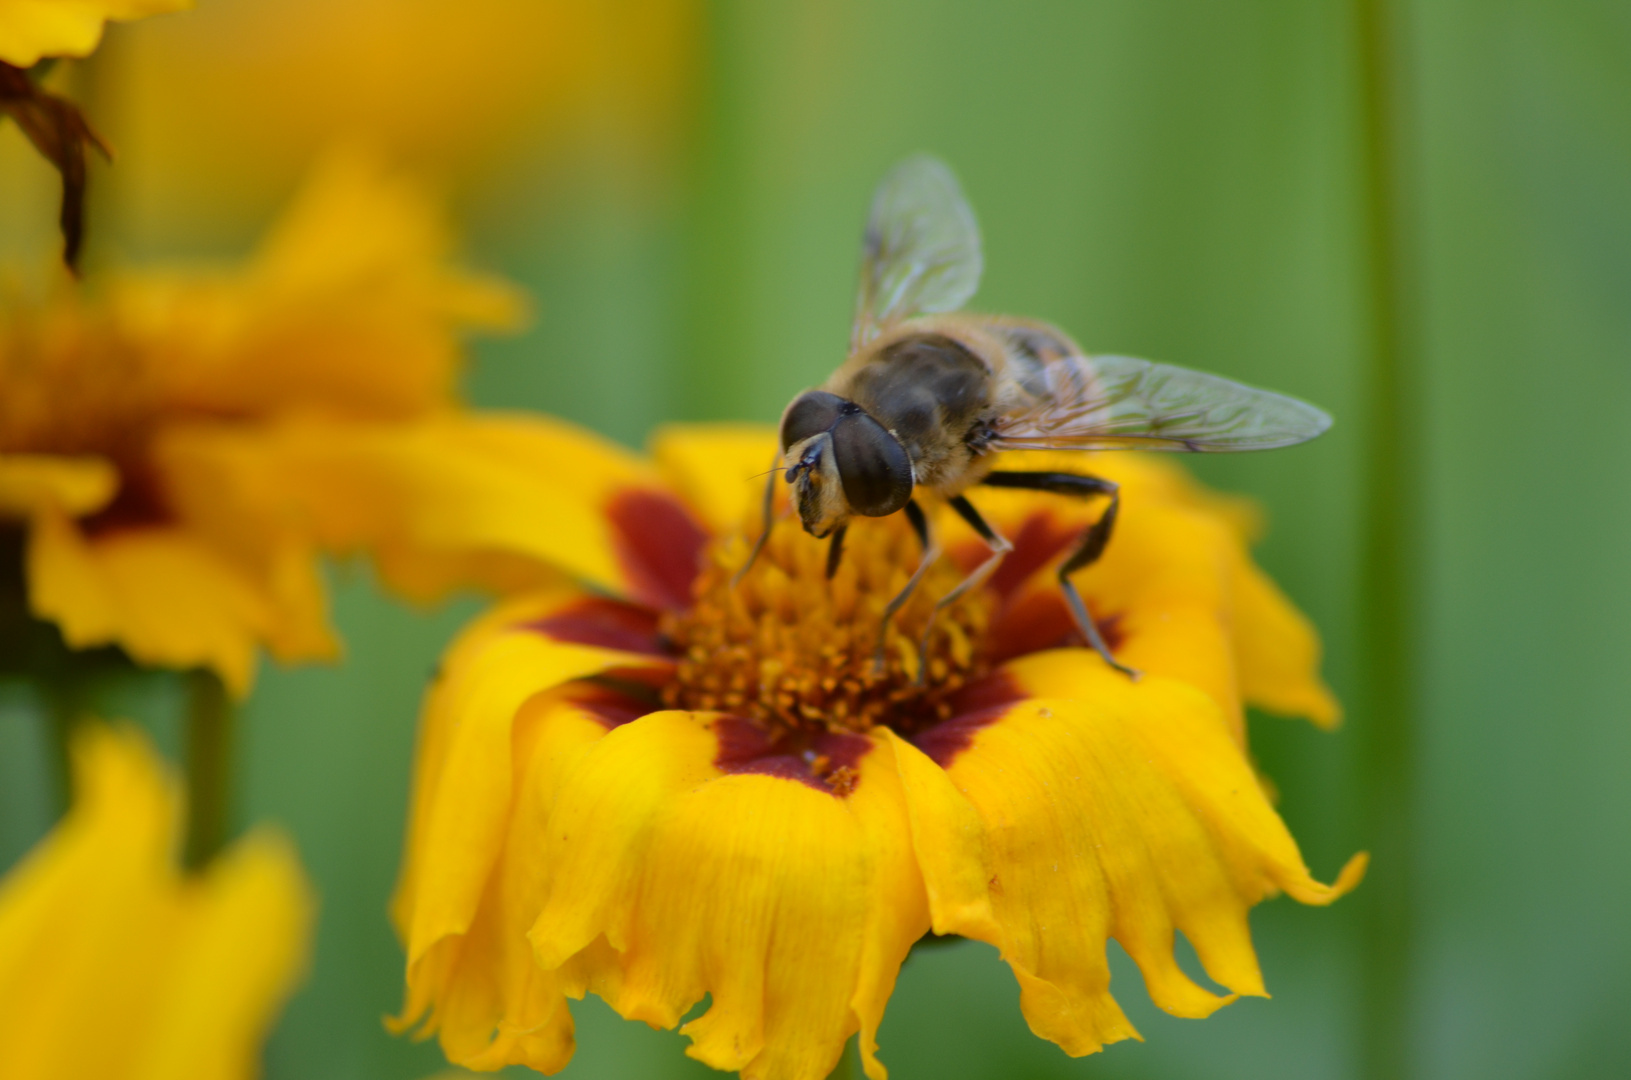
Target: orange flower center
67,386
796,652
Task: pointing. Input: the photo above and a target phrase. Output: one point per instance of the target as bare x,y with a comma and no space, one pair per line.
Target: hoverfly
929,394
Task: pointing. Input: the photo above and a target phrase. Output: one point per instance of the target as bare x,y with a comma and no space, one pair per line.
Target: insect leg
931,552
835,550
1000,547
1088,549
769,515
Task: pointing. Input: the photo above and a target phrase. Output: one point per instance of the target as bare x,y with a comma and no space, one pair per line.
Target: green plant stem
66,710
209,766
1387,717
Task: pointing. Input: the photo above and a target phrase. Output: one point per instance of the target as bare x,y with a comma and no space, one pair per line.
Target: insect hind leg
1088,548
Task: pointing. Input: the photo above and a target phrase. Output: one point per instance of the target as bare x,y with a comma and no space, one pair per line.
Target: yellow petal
252,915
1160,595
949,842
718,469
358,225
1177,585
30,483
437,726
1127,812
181,975
463,793
350,306
1278,650
791,904
454,487
32,29
158,593
486,997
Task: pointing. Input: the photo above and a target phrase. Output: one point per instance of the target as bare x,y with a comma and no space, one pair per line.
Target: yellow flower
114,963
32,29
214,114
135,429
665,787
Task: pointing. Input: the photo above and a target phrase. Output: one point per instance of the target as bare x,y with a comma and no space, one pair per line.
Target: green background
1178,180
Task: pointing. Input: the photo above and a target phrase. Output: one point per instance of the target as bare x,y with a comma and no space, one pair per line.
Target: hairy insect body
941,385
930,393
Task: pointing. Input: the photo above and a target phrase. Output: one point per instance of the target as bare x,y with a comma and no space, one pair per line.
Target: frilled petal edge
690,858
463,786
1124,811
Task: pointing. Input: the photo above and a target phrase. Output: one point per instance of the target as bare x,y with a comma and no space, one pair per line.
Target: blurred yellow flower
115,964
33,29
663,787
134,427
215,113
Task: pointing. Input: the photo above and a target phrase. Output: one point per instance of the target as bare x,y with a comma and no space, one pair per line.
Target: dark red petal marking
828,762
659,545
1037,542
605,624
1030,623
977,705
1038,620
611,707
997,690
139,503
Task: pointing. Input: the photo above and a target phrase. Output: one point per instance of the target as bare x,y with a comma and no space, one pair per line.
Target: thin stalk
1390,643
209,766
66,710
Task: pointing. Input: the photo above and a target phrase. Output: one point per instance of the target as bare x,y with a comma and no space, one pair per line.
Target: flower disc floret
796,652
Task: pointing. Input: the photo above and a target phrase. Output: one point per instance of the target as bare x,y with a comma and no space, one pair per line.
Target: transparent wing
921,252
1119,403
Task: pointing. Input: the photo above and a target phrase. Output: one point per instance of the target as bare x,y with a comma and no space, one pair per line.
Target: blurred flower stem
1390,642
210,717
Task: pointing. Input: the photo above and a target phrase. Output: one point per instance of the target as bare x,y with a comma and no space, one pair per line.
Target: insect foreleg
769,520
835,550
1088,549
931,552
1000,547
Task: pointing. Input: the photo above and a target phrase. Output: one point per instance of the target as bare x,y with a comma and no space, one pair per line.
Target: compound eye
811,413
872,465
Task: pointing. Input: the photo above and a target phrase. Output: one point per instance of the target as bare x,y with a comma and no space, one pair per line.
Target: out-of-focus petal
352,305
114,964
714,867
1278,650
251,913
159,593
33,29
1126,811
32,483
501,488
